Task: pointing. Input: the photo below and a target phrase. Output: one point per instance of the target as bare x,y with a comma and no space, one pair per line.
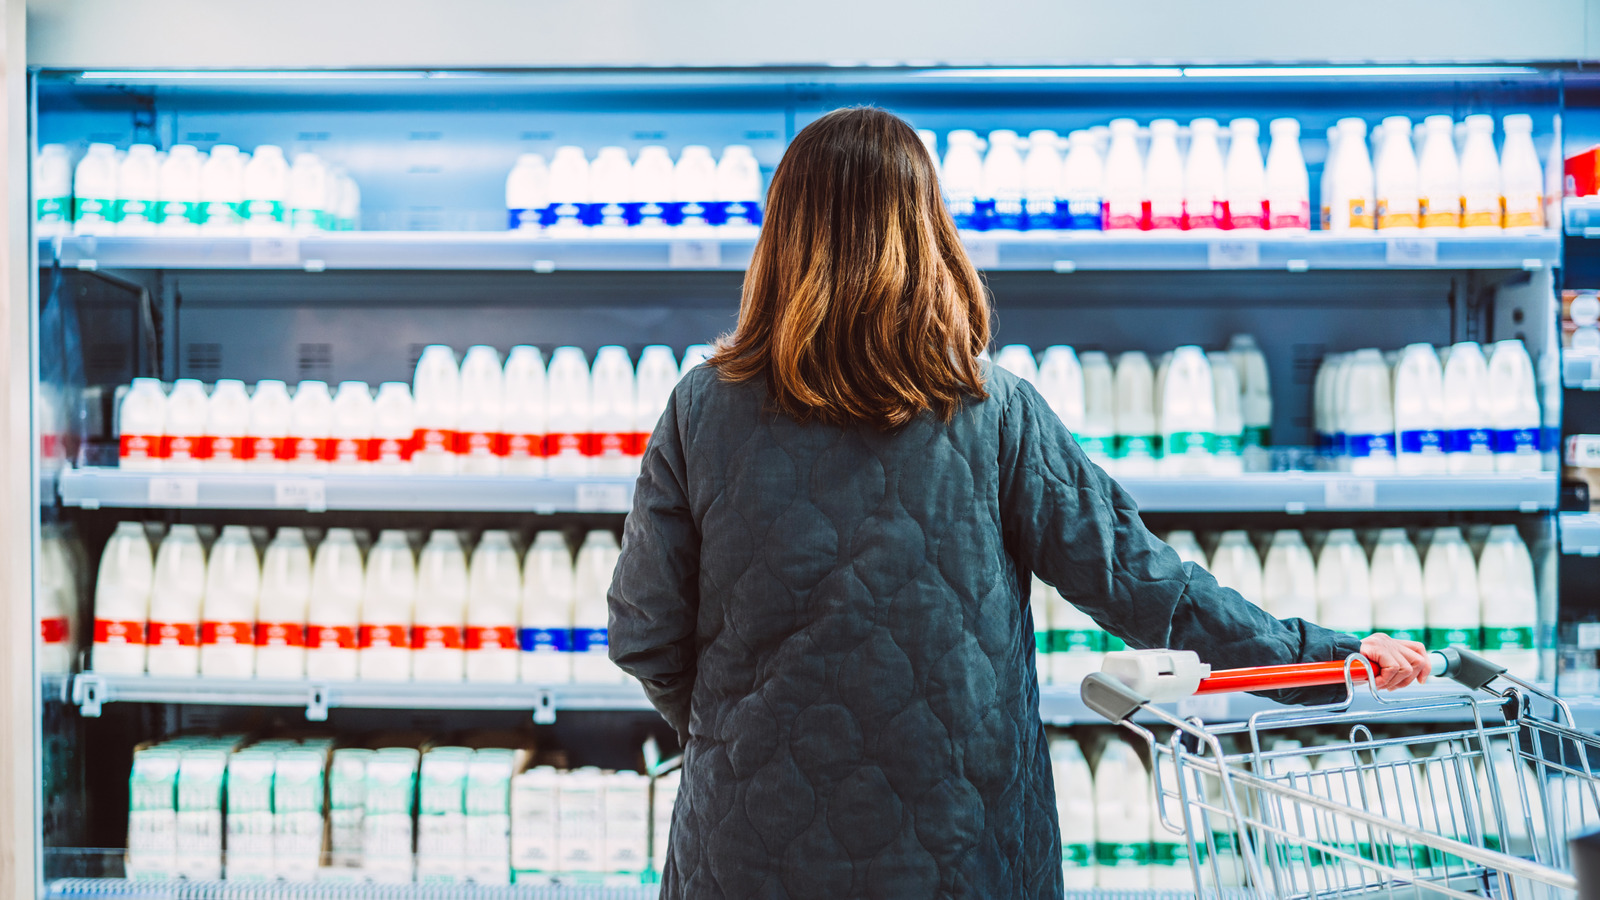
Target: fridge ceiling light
251,75
1058,72
1351,71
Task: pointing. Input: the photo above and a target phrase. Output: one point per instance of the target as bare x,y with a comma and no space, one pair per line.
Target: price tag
1350,493
1233,255
169,491
309,494
985,254
694,254
602,498
1589,635
275,251
1411,252
1205,706
1583,451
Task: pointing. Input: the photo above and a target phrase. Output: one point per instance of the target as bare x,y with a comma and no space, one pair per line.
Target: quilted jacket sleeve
1079,530
654,597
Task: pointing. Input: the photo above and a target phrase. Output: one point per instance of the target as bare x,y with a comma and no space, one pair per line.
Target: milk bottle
1398,605
738,187
1098,437
350,444
1325,394
1247,176
611,413
1123,184
394,427
1060,382
281,613
1439,175
1122,813
1163,177
177,590
930,143
183,445
1398,183
657,376
94,191
1204,183
58,602
1509,602
1188,415
1169,852
1255,400
568,411
527,192
222,190
1082,178
1230,420
178,191
694,355
266,192
1236,565
333,615
597,559
962,176
694,185
1041,177
1450,584
481,434
569,189
652,186
610,187
1000,191
1289,578
1018,360
122,602
1344,589
437,644
1351,206
308,194
310,427
1419,411
1514,409
1468,416
1288,185
228,621
1367,414
545,636
524,412
387,600
141,422
494,599
52,179
1077,643
1187,548
1480,177
1135,415
266,435
436,394
1075,810
138,184
1521,178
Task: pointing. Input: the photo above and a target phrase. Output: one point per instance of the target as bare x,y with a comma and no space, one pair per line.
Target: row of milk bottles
612,190
1431,410
1436,174
341,612
1111,837
61,560
143,191
1192,413
1104,180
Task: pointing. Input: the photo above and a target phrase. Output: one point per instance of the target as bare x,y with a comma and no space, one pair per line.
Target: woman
823,584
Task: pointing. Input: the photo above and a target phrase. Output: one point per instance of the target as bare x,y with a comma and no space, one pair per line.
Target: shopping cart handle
1465,667
1110,697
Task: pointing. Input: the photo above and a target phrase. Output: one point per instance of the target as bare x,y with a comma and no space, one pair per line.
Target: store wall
319,33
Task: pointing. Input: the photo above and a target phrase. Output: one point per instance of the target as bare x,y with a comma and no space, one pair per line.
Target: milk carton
535,824
627,827
266,434
153,814
1439,175
1000,186
222,190
176,593
569,189
1075,810
527,192
281,612
1288,185
437,644
1399,606
310,427
181,210
568,413
1122,814
52,180
1344,585
1123,182
249,821
183,446
1247,176
1205,205
141,422
388,599
354,417
597,560
1514,409
480,432
580,825
347,807
494,599
488,808
297,813
201,775
94,189
436,390
1468,416
394,426
122,602
442,815
524,412
266,192
545,637
664,799
1082,178
309,184
1450,584
1509,602
1289,578
228,623
1135,416
387,826
1398,182
138,181
611,414
1188,415
334,609
1481,201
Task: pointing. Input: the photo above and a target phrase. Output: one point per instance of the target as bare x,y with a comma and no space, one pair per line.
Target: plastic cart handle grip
1110,697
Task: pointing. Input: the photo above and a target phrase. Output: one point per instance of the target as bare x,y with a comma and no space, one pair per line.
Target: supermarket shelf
122,889
1581,216
1292,492
1580,372
1580,534
730,249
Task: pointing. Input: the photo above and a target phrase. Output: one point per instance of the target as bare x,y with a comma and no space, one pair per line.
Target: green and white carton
535,799
201,776
442,816
387,844
249,819
153,814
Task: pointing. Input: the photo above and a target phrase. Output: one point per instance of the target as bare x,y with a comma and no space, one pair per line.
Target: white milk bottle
569,189
1450,584
438,648
1077,643
1288,185
597,560
1235,564
1187,548
962,176
494,599
1247,176
94,191
227,420
694,185
1098,438
1169,852
1289,578
388,598
183,445
1439,175
1082,183
141,424
1000,188
1419,412
524,411
1075,811
1397,180
52,178
568,413
1399,607
1509,602
310,427
138,184
308,194
1018,360
545,636
177,592
652,186
122,602
1225,393
1352,206
1344,585
482,434
394,427
1204,182
228,620
1041,177
527,192
1468,419
1188,414
266,435
738,186
1122,813
1480,177
694,355
436,395
1255,400
333,613
1521,177
930,143
222,190
611,187
1325,402
653,384
1163,177
1135,415
1060,383
1123,183
611,413
266,192
281,612
1514,409
1367,413
58,601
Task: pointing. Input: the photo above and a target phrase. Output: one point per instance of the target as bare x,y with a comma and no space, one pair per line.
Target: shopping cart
1329,801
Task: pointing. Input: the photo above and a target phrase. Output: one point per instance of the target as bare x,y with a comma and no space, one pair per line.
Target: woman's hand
1399,662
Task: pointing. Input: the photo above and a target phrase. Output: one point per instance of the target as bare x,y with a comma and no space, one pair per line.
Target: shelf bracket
544,708
317,703
87,693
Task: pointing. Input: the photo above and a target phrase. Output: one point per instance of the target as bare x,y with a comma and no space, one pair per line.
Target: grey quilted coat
835,620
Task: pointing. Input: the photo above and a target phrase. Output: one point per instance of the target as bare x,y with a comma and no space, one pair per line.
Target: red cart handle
1277,678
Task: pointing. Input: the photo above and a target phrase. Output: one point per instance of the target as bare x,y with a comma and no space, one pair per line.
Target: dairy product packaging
122,602
438,646
153,814
347,809
249,821
1122,818
387,823
488,814
627,827
663,797
580,825
1075,810
612,191
297,813
535,828
176,592
442,816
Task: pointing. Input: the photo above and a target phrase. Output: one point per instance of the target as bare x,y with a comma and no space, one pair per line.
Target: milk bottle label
545,640
491,637
615,214
1422,440
392,450
331,637
94,209
478,443
433,440
118,631
1389,215
1362,446
692,213
1444,212
227,633
1524,210
1418,634
564,214
1038,212
563,444
1123,215
53,209
1080,212
1167,853
223,213
1097,446
589,640
1517,440
1229,444
737,213
1114,643
308,449
190,211
180,448
54,629
1361,215
965,211
522,218
138,210
384,636
605,444
436,637
1507,638
264,449
1183,443
1480,209
280,634
1166,215
1470,440
348,450
1289,213
1077,856
523,446
1121,856
172,634
1136,445
1205,215
1007,212
263,210
1077,641
303,218
139,447
1247,215
1469,638
219,447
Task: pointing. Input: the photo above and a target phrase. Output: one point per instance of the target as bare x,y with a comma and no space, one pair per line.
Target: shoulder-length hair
860,304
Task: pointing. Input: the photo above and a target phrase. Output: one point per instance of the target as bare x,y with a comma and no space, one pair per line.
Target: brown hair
860,304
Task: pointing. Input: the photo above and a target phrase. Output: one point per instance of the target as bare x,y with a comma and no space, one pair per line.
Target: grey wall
375,33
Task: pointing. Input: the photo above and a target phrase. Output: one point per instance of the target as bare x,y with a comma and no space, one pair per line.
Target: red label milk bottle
310,427
525,404
350,445
141,421
176,594
228,623
58,601
281,613
267,444
1247,176
436,392
611,413
657,376
545,637
122,602
227,421
480,431
438,646
333,614
394,426
183,447
568,413
386,609
493,601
